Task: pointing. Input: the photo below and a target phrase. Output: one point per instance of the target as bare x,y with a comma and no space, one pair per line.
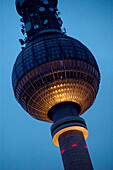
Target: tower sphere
54,68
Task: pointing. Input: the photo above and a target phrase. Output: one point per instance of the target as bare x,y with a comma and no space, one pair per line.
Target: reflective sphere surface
51,69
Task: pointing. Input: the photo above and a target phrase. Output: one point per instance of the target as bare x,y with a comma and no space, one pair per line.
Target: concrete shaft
74,151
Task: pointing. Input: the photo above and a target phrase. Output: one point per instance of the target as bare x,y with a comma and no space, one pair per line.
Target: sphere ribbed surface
54,68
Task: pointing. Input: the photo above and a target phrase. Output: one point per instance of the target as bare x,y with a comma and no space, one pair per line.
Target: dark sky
26,143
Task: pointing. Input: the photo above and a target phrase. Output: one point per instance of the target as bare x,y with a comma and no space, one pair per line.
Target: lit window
62,151
74,145
85,146
25,97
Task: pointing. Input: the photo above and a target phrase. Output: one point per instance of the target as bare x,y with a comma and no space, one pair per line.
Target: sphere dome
51,69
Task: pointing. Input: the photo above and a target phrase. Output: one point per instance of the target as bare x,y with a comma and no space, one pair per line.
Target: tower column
70,134
74,151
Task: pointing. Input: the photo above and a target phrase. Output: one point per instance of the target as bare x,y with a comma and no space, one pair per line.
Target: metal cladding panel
74,151
50,48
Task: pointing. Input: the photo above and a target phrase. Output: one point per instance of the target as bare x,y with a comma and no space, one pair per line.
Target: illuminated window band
79,128
59,65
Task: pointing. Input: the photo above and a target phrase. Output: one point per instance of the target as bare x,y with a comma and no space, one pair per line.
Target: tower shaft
74,151
69,132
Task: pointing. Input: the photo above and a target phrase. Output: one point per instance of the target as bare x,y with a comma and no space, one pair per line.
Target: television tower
55,79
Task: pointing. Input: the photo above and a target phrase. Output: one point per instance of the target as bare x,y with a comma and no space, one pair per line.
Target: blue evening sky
26,143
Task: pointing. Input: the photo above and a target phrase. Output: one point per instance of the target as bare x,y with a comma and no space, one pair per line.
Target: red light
74,145
62,151
85,146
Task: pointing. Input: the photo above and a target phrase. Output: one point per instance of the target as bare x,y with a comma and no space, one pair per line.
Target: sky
26,143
